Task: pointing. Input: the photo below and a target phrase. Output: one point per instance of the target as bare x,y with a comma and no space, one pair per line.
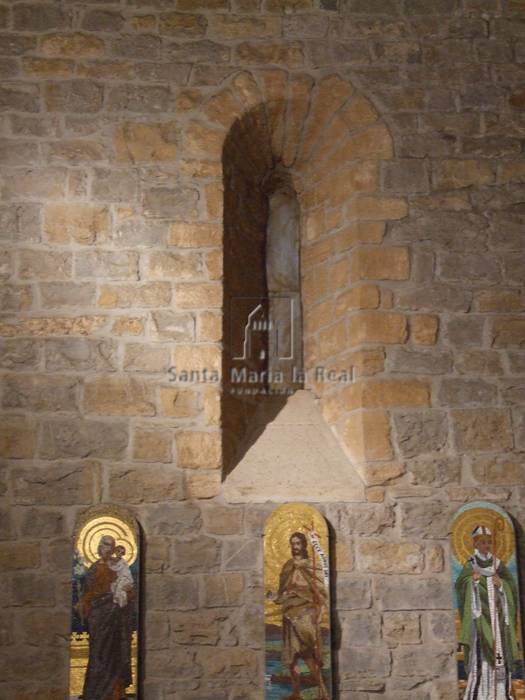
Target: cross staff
318,608
498,525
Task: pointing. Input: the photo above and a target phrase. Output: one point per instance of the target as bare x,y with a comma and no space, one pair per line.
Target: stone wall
114,119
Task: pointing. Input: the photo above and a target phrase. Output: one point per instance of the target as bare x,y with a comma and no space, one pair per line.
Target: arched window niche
301,175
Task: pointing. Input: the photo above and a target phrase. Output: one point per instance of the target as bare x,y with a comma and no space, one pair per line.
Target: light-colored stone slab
296,457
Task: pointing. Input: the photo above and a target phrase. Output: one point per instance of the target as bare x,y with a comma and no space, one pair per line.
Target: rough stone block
198,554
112,265
188,235
172,203
442,627
17,437
513,392
44,265
40,393
402,593
79,223
20,223
168,592
73,96
102,21
80,354
141,357
136,232
223,520
465,332
56,295
480,429
180,266
437,297
146,47
20,99
508,332
242,554
367,436
151,99
43,523
40,183
361,628
386,394
200,358
67,483
420,432
19,555
199,450
129,325
222,590
171,325
469,268
428,519
32,590
14,44
365,519
418,362
503,470
183,24
380,473
479,362
290,55
42,326
18,152
375,208
380,264
377,327
353,593
380,557
19,354
152,445
460,392
76,152
424,329
198,628
119,396
416,662
407,176
174,519
114,185
138,141
455,174
228,664
15,297
207,295
401,627
146,483
67,438
144,295
201,52
72,45
366,661
178,403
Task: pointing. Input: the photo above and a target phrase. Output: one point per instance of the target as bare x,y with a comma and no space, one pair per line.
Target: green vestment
507,615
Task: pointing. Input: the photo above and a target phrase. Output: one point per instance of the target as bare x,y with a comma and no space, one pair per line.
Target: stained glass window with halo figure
105,598
486,604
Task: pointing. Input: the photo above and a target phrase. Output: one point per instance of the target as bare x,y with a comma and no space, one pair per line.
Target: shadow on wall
262,321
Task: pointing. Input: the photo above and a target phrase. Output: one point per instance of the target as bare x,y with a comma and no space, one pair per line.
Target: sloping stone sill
295,458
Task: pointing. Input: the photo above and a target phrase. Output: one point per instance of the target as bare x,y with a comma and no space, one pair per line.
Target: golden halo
89,538
498,523
282,523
